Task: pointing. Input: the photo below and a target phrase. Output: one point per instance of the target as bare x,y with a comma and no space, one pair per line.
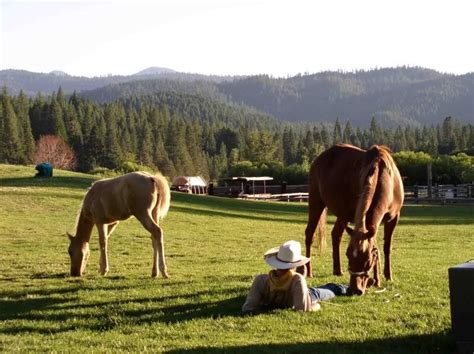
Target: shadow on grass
426,343
59,181
237,204
232,214
47,311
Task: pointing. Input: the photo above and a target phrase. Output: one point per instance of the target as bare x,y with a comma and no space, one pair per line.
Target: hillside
395,96
399,96
46,83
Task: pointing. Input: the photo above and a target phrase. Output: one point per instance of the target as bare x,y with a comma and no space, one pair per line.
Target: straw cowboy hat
287,256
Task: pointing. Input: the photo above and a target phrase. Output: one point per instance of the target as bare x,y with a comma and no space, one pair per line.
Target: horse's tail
164,195
369,180
321,230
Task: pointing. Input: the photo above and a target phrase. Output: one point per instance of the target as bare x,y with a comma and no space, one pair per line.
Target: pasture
214,247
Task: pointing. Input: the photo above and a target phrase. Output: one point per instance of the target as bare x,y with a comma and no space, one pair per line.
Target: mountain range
395,96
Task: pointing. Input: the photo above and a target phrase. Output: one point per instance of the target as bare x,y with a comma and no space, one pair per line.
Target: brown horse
357,186
110,200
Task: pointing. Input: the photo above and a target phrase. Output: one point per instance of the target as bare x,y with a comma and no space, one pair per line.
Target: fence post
430,180
283,187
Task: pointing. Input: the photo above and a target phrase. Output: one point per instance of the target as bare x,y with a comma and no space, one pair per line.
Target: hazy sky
236,37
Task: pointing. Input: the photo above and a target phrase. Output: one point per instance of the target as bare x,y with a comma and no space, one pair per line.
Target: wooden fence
446,193
413,194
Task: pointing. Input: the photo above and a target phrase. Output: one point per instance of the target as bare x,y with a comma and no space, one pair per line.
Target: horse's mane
371,168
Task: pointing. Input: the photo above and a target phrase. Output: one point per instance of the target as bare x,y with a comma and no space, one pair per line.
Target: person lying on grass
283,287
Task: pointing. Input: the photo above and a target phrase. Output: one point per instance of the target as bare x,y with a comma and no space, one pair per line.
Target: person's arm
254,301
300,294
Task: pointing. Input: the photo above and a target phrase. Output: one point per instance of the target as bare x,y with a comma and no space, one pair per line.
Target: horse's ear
349,230
69,236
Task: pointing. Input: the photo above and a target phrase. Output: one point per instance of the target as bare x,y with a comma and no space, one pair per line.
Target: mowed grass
213,247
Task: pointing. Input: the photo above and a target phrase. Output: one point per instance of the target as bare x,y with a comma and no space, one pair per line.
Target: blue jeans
326,292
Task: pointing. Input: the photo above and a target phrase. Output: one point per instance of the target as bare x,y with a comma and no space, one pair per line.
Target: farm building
189,184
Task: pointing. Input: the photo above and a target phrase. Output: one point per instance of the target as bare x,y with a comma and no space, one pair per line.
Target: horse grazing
359,186
110,200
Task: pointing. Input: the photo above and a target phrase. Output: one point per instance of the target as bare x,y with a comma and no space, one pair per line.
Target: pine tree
400,143
375,132
21,106
326,139
337,132
10,143
113,156
56,116
176,147
290,146
161,159
348,134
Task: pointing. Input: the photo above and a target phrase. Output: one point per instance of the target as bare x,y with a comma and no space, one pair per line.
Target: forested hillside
400,96
187,134
46,83
394,96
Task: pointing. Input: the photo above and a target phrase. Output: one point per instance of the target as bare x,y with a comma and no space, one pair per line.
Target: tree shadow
427,343
437,215
53,307
232,214
58,181
237,205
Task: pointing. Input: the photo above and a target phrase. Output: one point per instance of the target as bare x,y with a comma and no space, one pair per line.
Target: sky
228,37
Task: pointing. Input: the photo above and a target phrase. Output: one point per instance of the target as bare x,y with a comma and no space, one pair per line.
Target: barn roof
189,180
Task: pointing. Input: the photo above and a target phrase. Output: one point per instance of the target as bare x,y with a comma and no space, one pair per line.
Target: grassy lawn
214,247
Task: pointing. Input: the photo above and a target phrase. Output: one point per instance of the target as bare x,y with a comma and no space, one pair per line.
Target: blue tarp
44,170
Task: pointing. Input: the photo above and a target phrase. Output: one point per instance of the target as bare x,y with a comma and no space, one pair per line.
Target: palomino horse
110,200
357,186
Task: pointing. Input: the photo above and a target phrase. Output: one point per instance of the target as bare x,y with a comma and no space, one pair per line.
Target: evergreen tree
290,146
448,143
56,117
176,147
400,143
326,139
375,133
161,159
348,134
112,156
21,106
337,133
10,143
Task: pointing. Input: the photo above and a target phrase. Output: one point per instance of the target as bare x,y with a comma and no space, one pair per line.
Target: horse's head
363,255
79,253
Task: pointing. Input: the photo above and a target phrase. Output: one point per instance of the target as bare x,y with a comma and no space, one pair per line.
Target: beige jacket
260,298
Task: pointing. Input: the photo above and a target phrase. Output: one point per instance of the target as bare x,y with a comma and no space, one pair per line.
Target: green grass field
214,247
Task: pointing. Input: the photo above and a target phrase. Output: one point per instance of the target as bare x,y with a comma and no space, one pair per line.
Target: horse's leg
388,229
315,209
158,245
103,261
377,272
336,234
111,228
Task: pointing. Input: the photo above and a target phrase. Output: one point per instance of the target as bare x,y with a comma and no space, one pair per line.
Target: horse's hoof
166,275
